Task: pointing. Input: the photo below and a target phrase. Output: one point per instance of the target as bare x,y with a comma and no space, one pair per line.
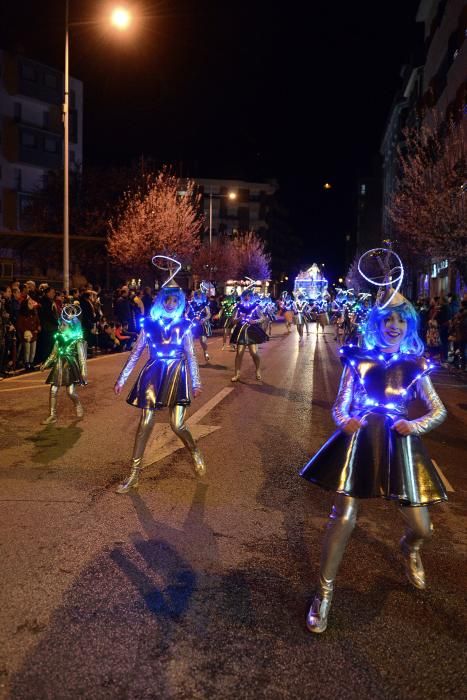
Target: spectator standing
30,290
443,317
459,330
15,304
88,318
28,327
146,298
122,309
48,317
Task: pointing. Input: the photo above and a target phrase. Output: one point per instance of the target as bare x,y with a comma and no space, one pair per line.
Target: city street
199,587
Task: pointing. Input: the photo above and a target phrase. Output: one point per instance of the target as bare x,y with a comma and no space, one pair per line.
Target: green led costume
68,362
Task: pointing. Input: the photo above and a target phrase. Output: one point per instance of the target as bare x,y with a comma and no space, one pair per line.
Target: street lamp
121,19
231,196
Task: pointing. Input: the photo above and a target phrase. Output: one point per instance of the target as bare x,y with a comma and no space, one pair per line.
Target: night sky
248,89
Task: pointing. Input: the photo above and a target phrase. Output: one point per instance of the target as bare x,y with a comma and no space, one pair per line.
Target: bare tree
160,215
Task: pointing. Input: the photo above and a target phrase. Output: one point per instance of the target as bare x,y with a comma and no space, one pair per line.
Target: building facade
237,205
435,82
31,141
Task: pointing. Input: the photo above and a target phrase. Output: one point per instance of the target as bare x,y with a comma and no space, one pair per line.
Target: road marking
165,442
23,388
209,405
443,478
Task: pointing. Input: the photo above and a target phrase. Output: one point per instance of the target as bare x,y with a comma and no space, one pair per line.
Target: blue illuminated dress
163,381
376,461
247,329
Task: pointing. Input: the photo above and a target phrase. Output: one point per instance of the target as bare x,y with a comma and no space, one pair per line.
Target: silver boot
413,564
131,483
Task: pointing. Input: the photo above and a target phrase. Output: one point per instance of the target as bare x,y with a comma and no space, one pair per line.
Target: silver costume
376,461
162,383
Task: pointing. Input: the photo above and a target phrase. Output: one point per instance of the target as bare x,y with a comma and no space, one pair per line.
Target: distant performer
248,332
377,451
301,312
199,314
164,380
68,361
226,315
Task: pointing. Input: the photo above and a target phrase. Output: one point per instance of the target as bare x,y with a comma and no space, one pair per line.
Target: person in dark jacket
48,316
122,309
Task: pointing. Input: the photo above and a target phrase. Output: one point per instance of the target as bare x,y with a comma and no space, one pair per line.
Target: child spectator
123,337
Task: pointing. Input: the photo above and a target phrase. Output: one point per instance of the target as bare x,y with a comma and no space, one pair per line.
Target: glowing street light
232,195
120,18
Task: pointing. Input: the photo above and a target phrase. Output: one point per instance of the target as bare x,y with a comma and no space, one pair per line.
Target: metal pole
66,185
210,233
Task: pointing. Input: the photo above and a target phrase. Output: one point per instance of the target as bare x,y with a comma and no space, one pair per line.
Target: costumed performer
247,332
68,360
164,380
300,310
377,451
199,314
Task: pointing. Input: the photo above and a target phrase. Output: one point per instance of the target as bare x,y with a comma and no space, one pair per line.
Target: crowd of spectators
29,316
443,326
30,313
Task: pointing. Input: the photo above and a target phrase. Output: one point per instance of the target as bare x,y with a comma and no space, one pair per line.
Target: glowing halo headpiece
249,286
70,312
170,265
383,268
204,287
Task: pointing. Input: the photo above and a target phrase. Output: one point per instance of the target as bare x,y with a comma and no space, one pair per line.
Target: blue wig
412,343
200,297
157,309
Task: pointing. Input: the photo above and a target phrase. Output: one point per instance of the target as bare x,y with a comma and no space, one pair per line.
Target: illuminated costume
321,308
301,315
164,380
287,307
374,457
199,314
228,304
68,361
247,332
268,309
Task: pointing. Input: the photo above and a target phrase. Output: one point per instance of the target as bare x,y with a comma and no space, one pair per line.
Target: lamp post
120,19
230,195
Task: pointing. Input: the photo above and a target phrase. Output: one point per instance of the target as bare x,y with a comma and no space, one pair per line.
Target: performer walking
300,310
163,381
228,304
68,362
377,451
199,314
287,306
247,332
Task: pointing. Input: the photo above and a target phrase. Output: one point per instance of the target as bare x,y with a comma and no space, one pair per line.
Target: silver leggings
253,350
72,394
341,523
146,424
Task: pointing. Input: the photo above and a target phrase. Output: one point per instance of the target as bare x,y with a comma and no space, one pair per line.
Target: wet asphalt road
198,588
